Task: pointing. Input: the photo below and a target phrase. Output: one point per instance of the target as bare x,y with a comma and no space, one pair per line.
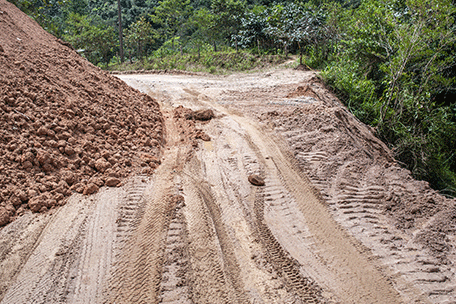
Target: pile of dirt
350,166
65,125
186,118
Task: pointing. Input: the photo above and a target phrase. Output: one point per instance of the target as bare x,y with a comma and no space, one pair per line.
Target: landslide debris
65,125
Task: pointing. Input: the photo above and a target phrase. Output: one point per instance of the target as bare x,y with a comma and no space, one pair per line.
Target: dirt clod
185,119
90,189
112,182
256,180
37,203
4,216
203,114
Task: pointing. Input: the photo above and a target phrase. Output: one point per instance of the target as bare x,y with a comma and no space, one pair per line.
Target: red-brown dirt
65,125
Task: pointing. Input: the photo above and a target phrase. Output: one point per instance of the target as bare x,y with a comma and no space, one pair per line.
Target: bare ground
330,225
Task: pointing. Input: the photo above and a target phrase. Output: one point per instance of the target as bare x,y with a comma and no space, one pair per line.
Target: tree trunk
119,11
215,47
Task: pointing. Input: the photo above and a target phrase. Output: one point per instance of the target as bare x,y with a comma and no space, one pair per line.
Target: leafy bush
390,65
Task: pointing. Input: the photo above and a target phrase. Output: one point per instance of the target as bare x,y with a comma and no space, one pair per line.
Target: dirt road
198,232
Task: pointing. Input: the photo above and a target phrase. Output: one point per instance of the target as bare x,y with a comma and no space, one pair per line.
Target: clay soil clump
65,125
186,118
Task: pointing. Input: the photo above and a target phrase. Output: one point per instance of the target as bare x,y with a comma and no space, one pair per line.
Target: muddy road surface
197,231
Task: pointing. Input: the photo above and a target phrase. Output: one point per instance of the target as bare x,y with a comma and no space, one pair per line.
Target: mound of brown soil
65,125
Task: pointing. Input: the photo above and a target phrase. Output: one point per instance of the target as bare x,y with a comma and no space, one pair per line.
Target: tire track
278,202
137,273
227,163
216,272
17,242
175,284
353,276
73,266
281,260
91,271
45,271
347,261
359,206
419,276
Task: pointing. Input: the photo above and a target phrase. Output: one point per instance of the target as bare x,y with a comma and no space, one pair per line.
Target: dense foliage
392,70
391,61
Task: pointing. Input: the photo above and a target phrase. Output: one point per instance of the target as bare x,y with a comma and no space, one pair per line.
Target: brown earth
65,125
267,190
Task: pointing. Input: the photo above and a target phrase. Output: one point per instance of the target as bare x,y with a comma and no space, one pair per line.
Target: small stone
90,189
4,216
101,165
203,114
69,150
256,180
112,182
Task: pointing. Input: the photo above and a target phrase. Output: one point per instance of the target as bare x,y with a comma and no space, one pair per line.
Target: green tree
227,22
172,16
391,64
96,39
139,35
202,22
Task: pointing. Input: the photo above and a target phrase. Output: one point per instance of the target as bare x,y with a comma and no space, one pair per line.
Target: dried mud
65,125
